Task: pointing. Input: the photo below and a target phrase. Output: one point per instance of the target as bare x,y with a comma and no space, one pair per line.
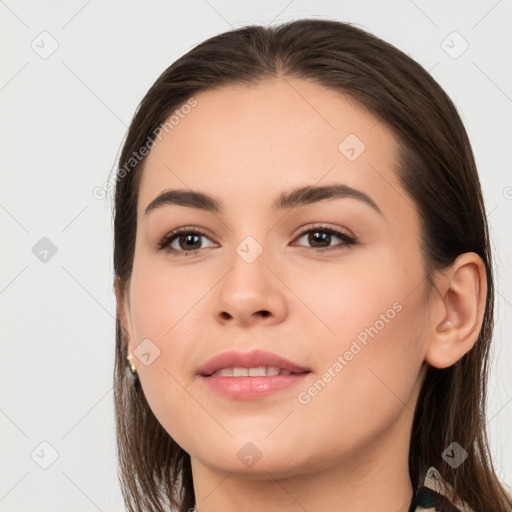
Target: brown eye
319,237
322,238
183,241
189,242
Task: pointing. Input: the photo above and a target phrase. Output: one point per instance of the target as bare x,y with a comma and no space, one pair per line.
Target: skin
347,449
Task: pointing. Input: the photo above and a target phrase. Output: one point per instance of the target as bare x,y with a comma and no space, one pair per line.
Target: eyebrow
291,199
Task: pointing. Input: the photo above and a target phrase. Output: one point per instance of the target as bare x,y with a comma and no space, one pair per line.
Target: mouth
255,363
250,375
260,371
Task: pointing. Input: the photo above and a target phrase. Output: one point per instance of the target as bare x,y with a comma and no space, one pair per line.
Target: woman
304,283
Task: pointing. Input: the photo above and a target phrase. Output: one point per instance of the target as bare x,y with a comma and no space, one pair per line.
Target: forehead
245,143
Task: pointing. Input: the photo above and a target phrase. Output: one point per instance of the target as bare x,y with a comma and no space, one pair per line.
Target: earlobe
457,311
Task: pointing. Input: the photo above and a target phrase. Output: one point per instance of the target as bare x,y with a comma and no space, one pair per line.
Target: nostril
226,316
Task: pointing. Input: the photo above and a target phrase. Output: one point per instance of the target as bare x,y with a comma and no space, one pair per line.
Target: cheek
347,299
164,299
366,382
372,353
164,306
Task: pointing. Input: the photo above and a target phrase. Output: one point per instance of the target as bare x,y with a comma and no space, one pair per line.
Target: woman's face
260,277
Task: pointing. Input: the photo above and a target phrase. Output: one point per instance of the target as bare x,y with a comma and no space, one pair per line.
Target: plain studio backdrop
72,75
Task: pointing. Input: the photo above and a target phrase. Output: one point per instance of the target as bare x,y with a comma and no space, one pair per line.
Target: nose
250,293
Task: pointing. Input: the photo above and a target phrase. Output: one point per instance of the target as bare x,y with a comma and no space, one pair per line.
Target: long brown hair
437,169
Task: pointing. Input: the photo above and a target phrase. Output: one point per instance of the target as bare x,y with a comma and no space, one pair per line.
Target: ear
123,312
457,310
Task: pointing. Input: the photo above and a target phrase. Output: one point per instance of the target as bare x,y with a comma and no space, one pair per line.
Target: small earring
129,357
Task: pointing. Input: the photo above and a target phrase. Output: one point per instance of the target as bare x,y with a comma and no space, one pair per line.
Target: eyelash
165,242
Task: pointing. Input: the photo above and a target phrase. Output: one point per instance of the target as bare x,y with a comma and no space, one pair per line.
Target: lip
252,359
250,388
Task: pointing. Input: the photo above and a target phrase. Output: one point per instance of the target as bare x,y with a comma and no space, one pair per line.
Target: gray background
63,118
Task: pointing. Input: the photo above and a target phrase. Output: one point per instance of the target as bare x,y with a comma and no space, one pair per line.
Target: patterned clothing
432,492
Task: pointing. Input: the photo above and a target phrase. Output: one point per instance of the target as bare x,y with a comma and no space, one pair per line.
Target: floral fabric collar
432,492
